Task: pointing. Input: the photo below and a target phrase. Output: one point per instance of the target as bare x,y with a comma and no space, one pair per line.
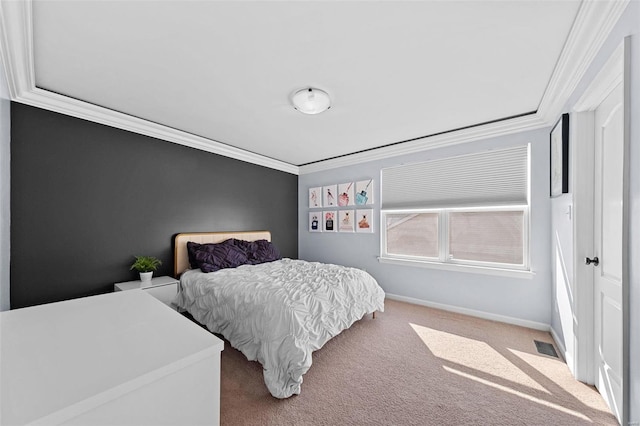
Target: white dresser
114,359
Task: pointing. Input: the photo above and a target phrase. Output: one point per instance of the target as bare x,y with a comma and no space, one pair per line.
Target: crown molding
86,111
592,26
476,133
16,45
611,74
16,48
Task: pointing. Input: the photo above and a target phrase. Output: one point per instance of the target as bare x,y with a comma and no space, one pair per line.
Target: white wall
526,300
562,318
5,176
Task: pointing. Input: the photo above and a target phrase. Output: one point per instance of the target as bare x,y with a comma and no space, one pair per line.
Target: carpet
414,365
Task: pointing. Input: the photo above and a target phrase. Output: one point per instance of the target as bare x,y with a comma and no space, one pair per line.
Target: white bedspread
279,312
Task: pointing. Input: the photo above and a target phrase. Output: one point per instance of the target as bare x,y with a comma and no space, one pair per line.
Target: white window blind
489,178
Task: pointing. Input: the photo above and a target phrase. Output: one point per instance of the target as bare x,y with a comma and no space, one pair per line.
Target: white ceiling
217,75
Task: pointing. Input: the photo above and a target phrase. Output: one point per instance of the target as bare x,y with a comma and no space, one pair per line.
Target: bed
276,312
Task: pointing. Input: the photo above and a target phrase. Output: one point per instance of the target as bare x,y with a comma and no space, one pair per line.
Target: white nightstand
162,288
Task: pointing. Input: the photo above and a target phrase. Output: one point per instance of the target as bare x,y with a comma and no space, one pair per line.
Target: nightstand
162,288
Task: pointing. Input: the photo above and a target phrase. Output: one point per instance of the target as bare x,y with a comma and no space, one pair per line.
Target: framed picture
559,142
364,192
364,220
330,195
346,193
329,221
315,221
346,220
315,197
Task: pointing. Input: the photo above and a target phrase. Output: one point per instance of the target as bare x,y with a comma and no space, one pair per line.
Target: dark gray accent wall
5,189
86,198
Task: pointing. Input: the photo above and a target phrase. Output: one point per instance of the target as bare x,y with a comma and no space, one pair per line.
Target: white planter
145,278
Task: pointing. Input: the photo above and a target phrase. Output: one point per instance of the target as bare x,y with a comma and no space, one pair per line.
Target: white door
608,196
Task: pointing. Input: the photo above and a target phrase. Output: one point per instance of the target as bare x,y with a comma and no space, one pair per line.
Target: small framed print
315,197
315,221
329,221
364,192
346,193
364,220
346,221
330,195
559,145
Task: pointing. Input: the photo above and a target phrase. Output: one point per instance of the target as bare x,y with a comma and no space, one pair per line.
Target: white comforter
279,312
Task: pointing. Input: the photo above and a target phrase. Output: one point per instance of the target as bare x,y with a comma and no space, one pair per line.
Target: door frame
614,72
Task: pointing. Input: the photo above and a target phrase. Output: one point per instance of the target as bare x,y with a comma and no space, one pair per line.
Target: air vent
546,348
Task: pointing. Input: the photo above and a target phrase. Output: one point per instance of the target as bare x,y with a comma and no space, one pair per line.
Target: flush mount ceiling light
311,100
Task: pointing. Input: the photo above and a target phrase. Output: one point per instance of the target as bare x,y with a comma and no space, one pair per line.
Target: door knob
595,261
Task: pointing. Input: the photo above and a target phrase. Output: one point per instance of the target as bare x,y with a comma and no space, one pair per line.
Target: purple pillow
213,257
261,251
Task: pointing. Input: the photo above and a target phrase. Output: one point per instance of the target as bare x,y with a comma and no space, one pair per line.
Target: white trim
501,128
607,79
594,22
75,108
16,47
472,312
484,270
590,30
582,135
592,26
559,344
582,171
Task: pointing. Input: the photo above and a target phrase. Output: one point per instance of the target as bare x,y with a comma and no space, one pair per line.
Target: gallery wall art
346,220
329,221
331,207
364,220
364,192
315,197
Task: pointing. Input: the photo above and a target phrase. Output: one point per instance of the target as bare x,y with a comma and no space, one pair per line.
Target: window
470,210
487,236
412,234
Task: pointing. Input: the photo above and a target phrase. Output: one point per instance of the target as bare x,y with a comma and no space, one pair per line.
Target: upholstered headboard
181,257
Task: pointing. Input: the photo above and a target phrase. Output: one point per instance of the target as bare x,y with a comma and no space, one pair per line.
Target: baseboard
471,312
559,345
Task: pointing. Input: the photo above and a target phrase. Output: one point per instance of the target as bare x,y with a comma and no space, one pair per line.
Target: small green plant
146,264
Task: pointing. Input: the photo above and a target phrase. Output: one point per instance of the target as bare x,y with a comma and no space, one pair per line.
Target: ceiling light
311,100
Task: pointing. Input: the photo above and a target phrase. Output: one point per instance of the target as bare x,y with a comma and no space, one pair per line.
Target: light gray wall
5,175
634,226
561,319
634,234
517,298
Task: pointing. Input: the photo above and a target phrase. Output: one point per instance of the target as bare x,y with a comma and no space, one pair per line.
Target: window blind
489,178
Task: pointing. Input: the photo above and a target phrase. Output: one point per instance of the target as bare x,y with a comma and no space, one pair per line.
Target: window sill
514,273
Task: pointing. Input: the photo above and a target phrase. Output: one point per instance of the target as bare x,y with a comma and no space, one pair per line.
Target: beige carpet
414,365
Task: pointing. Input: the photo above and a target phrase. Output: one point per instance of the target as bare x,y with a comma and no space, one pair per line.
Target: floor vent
546,348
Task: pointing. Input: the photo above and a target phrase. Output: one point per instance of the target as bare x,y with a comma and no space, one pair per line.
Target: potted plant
146,265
